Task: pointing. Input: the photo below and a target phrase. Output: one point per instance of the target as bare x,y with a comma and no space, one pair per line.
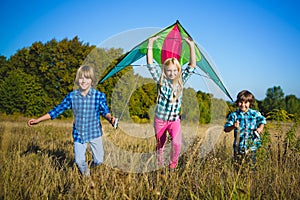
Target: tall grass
37,163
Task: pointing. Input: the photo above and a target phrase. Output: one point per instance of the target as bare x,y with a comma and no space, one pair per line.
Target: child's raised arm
191,43
150,52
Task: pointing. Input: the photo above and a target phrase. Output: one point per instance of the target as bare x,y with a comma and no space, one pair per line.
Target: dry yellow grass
37,163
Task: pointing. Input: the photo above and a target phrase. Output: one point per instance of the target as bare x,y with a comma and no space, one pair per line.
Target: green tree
4,68
21,93
143,98
218,110
274,99
190,108
121,94
54,66
104,60
53,63
204,101
292,104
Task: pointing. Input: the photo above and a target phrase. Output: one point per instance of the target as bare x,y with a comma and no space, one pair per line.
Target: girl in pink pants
170,80
173,128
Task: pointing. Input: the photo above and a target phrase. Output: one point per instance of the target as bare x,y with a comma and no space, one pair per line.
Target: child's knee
176,144
80,161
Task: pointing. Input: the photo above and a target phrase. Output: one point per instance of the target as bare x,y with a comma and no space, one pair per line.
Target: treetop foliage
37,78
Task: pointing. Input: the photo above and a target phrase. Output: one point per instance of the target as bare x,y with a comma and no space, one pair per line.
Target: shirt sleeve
230,119
186,74
260,119
103,105
155,73
63,106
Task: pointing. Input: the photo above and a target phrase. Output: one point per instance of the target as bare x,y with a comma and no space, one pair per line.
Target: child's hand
189,41
114,122
151,40
31,122
259,130
236,124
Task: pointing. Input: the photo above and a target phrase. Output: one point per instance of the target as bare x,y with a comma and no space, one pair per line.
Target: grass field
37,163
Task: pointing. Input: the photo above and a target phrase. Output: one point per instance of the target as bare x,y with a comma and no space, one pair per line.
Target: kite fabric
169,44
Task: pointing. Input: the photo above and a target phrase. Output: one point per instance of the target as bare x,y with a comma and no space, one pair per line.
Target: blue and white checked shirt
167,109
87,110
249,122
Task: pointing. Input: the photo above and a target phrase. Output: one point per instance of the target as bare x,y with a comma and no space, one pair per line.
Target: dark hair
246,96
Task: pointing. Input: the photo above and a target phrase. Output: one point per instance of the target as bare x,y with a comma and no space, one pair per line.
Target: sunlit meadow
37,163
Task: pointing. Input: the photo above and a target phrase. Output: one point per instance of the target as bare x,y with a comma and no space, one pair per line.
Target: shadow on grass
58,156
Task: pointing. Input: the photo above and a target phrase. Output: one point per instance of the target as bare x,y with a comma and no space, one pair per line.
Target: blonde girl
170,80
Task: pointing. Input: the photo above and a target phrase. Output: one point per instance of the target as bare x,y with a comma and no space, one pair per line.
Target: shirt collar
90,93
244,113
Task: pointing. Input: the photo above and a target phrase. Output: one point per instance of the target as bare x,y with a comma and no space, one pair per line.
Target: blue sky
254,45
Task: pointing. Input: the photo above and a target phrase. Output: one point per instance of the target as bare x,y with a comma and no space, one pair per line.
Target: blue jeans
80,158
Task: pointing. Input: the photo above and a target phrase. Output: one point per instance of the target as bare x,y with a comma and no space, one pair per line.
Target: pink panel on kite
172,45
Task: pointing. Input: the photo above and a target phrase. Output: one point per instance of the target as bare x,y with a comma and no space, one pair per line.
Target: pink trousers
173,128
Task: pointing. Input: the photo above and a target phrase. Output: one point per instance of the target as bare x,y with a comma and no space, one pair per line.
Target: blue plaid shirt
167,109
87,110
249,122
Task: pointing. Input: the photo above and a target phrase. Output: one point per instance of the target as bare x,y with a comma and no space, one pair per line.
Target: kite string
205,76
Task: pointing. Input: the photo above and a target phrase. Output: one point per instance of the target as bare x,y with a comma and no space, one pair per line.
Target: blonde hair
87,72
177,85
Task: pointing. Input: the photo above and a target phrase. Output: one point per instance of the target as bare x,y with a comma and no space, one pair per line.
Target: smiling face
85,84
172,68
85,78
244,105
245,100
171,71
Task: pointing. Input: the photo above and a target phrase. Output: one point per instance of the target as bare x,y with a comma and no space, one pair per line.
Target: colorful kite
169,44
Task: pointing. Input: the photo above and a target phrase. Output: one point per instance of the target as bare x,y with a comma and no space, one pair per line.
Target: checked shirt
87,110
167,109
249,122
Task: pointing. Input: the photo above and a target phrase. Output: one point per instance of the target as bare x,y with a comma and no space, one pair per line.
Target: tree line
38,77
